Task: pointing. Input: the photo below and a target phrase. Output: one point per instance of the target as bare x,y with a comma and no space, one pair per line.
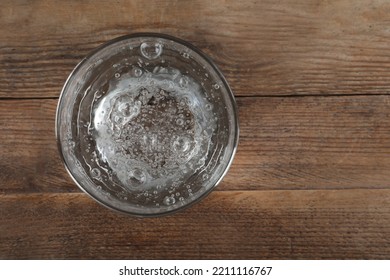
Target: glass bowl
146,124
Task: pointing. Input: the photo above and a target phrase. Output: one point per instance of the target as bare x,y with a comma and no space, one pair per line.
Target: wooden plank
313,142
340,224
29,158
286,143
264,47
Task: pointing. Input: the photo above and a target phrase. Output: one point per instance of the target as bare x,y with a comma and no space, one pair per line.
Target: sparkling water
152,127
147,125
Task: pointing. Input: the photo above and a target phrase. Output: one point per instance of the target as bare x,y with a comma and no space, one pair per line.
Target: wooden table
311,178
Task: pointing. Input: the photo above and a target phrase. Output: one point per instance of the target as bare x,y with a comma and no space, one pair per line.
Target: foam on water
152,127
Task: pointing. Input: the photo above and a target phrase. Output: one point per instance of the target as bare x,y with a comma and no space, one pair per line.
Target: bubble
181,144
151,50
216,86
136,176
169,200
179,121
177,194
208,107
183,81
137,72
205,176
95,173
186,55
117,75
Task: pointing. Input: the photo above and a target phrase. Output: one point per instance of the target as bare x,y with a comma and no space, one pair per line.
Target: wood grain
248,225
264,47
285,143
29,158
311,175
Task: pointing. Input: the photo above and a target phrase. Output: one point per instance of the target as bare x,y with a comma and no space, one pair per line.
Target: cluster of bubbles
152,130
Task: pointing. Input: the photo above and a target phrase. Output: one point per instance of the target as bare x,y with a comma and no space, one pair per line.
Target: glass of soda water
147,124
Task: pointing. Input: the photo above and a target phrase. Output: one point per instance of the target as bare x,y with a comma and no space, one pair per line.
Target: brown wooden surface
232,224
311,178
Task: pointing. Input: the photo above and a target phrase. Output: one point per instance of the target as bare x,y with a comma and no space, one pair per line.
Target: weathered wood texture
286,143
311,178
249,225
264,47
